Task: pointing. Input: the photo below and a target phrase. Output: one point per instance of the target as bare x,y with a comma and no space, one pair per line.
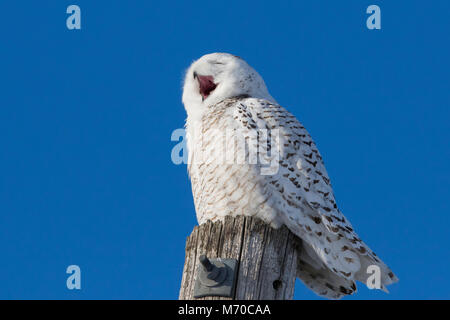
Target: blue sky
86,118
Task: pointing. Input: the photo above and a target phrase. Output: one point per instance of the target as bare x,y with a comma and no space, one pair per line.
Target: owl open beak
206,84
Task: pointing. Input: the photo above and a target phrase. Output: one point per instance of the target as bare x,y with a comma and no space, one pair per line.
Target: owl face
218,76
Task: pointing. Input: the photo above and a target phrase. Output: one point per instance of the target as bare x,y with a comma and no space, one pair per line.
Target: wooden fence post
267,257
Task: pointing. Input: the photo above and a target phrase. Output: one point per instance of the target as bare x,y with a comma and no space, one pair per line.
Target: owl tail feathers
327,284
324,282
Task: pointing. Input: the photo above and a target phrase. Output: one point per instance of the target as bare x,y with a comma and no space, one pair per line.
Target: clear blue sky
86,118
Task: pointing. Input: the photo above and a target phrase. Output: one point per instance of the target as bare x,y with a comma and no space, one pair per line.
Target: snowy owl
224,97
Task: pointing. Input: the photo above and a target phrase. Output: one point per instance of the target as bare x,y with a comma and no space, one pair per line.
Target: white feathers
233,76
223,94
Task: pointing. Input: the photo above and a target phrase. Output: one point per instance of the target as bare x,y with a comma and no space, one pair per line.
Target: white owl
223,94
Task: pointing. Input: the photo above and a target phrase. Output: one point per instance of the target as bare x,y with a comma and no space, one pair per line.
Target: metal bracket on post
215,277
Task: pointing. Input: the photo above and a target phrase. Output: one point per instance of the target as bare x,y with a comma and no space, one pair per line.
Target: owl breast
225,179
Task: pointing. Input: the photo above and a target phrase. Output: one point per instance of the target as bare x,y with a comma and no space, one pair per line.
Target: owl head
219,76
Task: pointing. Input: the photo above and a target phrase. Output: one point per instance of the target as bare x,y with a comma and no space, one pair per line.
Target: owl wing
304,193
301,177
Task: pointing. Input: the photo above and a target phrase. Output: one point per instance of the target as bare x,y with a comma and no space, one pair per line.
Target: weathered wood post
267,258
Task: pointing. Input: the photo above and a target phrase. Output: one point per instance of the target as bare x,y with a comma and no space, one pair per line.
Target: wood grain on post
267,257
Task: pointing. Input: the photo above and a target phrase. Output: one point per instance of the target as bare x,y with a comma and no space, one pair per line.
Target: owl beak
206,84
